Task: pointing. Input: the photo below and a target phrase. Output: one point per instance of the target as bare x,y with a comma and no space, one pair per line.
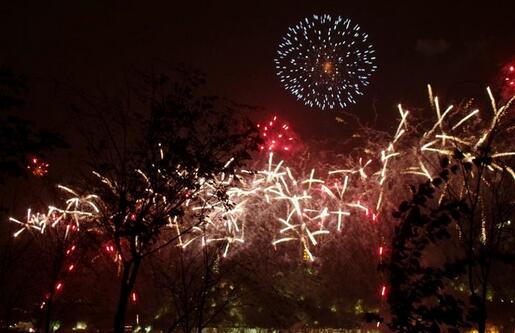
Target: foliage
453,232
420,298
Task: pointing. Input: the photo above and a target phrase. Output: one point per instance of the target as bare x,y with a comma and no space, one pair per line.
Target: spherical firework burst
325,62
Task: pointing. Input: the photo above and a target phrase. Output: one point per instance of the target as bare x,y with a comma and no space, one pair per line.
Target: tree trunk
48,312
130,271
203,289
481,321
481,326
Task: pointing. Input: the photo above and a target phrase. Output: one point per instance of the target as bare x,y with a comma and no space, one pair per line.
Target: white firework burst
325,62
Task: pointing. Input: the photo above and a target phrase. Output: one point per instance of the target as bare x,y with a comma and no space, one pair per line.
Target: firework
312,202
78,208
38,167
221,220
308,204
325,62
62,226
277,136
510,76
508,81
302,206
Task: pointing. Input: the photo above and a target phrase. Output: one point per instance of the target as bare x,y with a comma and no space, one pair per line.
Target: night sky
68,49
458,46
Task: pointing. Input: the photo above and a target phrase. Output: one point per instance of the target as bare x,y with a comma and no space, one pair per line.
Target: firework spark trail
312,206
65,223
307,205
76,210
303,207
315,206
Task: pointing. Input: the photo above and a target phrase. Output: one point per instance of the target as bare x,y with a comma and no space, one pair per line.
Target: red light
37,167
275,137
512,68
71,267
383,291
70,250
59,286
134,297
380,250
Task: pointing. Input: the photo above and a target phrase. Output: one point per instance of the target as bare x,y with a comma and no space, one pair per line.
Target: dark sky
458,46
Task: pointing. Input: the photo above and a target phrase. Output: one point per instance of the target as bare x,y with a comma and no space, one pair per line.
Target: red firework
38,167
508,81
277,136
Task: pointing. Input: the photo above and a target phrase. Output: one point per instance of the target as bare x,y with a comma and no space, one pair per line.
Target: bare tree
61,252
153,162
199,287
20,140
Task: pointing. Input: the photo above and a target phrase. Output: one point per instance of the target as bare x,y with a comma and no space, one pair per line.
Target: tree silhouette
198,287
454,233
154,162
20,140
